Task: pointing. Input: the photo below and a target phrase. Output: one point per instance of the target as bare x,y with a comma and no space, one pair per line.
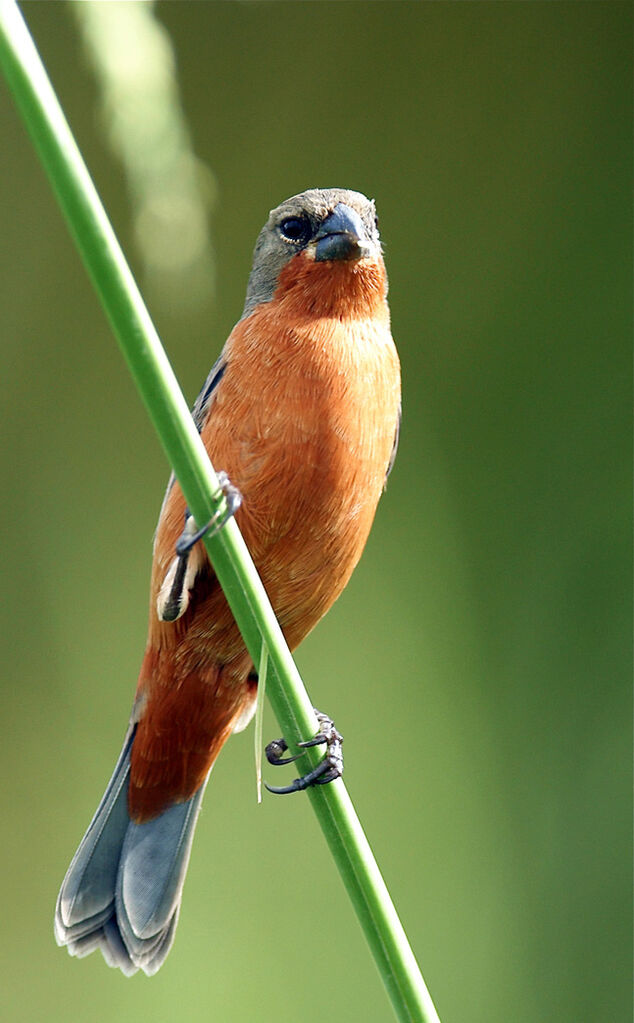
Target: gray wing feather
390,464
201,406
202,401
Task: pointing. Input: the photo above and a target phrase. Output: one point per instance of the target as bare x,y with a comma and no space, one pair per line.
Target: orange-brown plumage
301,412
303,423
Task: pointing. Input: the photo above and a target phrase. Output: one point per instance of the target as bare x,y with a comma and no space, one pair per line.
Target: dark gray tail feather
123,889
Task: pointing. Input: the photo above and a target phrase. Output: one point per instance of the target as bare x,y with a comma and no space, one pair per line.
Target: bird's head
323,246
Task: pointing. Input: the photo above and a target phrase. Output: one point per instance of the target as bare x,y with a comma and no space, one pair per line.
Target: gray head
328,223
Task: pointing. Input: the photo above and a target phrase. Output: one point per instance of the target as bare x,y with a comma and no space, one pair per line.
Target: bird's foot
233,500
173,597
327,770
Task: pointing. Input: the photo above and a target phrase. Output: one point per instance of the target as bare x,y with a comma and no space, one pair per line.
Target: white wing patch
173,597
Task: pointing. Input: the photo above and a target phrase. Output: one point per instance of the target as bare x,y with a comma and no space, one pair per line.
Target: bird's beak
342,236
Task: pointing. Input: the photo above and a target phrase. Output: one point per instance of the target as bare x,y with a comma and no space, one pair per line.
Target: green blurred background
479,661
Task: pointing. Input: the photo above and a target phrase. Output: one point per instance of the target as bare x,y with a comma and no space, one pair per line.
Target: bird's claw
327,770
274,752
233,500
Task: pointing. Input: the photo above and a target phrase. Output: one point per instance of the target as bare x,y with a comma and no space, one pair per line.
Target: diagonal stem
234,568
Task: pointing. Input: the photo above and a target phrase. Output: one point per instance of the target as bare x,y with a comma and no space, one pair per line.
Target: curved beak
342,236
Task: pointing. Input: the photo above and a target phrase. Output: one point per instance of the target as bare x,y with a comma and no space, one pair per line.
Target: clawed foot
173,597
233,500
327,770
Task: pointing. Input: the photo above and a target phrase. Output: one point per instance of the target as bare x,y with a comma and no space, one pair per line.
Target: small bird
301,412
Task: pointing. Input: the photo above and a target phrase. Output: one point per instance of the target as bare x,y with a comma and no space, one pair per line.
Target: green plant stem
159,389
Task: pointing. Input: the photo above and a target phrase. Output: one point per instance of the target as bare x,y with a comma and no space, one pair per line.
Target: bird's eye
296,229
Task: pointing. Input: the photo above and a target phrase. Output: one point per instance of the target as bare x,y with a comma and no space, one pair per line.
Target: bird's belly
307,513
305,430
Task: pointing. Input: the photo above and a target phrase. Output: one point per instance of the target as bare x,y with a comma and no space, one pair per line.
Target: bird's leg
327,770
233,500
173,596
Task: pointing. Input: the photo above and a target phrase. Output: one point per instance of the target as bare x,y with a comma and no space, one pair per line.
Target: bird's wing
181,573
203,400
390,464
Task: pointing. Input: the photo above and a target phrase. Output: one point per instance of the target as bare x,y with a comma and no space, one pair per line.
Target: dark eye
296,229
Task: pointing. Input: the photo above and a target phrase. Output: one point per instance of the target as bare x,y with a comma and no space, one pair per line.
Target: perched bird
302,412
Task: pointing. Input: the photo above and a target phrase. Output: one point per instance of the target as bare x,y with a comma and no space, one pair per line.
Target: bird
301,411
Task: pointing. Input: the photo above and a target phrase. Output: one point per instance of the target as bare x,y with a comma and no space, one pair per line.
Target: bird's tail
123,889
